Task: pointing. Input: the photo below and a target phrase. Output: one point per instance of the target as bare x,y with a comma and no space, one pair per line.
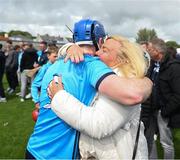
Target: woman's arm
97,122
71,51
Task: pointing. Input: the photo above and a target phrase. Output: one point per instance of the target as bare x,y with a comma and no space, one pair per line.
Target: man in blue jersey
52,137
36,84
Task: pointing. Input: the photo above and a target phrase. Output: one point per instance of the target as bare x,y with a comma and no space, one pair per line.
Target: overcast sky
123,17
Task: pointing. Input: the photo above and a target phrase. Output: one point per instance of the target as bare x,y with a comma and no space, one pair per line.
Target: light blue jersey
52,137
39,53
19,58
37,82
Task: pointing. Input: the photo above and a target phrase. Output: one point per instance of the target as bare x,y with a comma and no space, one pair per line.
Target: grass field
16,125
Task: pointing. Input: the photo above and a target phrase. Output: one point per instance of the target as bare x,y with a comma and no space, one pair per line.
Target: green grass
16,125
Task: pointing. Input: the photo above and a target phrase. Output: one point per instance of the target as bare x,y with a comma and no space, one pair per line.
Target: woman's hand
55,86
75,54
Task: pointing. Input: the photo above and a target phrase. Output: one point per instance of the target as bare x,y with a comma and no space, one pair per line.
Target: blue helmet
88,31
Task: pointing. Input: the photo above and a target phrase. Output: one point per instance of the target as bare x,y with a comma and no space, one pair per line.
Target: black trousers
151,127
2,94
12,78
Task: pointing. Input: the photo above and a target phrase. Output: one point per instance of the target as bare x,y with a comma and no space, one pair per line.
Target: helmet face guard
88,32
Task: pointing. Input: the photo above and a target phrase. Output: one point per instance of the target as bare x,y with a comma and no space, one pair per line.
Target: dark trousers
12,79
150,130
29,155
2,94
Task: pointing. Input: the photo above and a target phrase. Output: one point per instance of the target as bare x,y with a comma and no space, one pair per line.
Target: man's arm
127,91
36,84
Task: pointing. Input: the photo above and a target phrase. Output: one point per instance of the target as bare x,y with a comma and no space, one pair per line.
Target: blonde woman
108,129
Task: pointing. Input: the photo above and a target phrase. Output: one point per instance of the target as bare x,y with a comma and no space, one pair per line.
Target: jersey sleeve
36,84
97,71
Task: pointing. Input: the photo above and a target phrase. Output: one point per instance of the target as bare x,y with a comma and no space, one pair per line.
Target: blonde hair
131,58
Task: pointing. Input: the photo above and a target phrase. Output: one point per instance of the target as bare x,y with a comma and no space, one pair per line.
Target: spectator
2,67
169,114
19,61
36,84
8,47
42,53
29,58
11,67
172,52
161,112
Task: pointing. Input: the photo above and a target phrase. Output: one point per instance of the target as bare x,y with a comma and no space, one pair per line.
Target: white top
108,128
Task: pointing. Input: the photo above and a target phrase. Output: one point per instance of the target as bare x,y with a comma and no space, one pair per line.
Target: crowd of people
20,63
102,98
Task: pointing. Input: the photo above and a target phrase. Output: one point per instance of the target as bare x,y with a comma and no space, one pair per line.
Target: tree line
16,33
143,35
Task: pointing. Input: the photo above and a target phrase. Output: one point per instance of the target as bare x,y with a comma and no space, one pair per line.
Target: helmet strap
95,43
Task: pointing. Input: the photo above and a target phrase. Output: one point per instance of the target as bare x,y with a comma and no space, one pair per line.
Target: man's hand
37,105
55,86
35,65
75,53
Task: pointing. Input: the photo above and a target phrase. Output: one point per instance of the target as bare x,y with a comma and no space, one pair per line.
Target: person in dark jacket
2,67
165,98
172,51
169,89
11,67
29,58
42,53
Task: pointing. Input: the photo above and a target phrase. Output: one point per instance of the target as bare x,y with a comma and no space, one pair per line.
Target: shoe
28,96
3,100
18,94
8,89
11,91
22,99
